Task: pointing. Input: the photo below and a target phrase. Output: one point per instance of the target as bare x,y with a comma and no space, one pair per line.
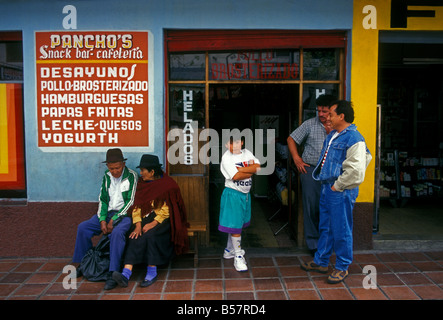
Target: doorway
214,77
254,106
411,157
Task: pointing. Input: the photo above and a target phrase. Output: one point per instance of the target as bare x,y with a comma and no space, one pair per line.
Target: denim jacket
346,161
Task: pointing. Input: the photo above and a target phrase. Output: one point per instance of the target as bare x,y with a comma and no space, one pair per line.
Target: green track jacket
128,186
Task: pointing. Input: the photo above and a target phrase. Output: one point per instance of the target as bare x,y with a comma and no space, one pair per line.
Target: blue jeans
335,227
89,228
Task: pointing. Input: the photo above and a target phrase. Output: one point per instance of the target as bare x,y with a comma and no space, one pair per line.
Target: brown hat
114,155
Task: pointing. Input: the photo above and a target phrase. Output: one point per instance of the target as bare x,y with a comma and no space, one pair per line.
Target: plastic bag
95,264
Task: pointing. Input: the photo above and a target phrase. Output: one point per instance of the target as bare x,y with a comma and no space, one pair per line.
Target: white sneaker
240,264
227,254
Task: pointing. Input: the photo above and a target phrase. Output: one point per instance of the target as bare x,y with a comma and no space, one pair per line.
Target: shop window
321,64
255,65
310,93
12,166
186,121
321,73
187,66
11,61
202,62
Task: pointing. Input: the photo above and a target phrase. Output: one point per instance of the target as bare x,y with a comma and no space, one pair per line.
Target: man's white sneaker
231,254
240,264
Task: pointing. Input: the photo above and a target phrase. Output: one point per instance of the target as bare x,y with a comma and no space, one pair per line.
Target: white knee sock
236,242
229,245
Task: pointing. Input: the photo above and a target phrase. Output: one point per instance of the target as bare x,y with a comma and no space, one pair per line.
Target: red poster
92,88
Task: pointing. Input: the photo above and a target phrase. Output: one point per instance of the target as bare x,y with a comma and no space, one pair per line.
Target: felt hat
149,161
114,155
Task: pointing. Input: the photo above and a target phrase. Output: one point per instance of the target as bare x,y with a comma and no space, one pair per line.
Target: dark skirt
153,247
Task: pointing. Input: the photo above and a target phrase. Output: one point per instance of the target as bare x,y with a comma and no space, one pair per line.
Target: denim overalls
335,226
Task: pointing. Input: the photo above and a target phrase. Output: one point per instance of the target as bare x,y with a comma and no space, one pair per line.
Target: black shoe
110,283
147,283
120,279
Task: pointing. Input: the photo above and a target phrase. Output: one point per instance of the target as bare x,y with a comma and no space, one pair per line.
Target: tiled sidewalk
400,276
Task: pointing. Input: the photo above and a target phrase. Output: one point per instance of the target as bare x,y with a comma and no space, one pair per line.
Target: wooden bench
195,227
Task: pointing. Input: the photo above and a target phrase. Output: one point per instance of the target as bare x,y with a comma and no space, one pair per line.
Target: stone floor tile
431,292
335,294
368,294
400,293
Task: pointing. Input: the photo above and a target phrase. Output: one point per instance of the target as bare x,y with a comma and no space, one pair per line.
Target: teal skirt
235,211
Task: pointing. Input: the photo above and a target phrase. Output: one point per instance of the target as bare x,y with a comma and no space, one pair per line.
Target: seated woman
160,223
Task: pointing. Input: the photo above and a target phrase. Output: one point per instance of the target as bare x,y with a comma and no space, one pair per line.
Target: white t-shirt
327,149
229,164
116,201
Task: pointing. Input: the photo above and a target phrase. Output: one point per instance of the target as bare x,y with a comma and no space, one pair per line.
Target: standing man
340,169
311,134
116,197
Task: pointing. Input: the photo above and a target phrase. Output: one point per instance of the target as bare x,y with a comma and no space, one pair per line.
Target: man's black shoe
110,283
120,279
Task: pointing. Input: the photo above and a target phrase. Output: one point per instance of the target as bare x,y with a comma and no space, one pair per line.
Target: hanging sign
92,88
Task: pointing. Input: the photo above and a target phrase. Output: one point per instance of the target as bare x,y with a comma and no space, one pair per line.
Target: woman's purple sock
152,273
126,273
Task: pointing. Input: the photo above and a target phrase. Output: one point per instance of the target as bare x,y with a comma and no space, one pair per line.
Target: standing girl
237,166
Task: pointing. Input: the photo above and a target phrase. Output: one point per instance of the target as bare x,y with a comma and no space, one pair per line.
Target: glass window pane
11,61
255,65
321,64
186,120
189,66
311,92
186,103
